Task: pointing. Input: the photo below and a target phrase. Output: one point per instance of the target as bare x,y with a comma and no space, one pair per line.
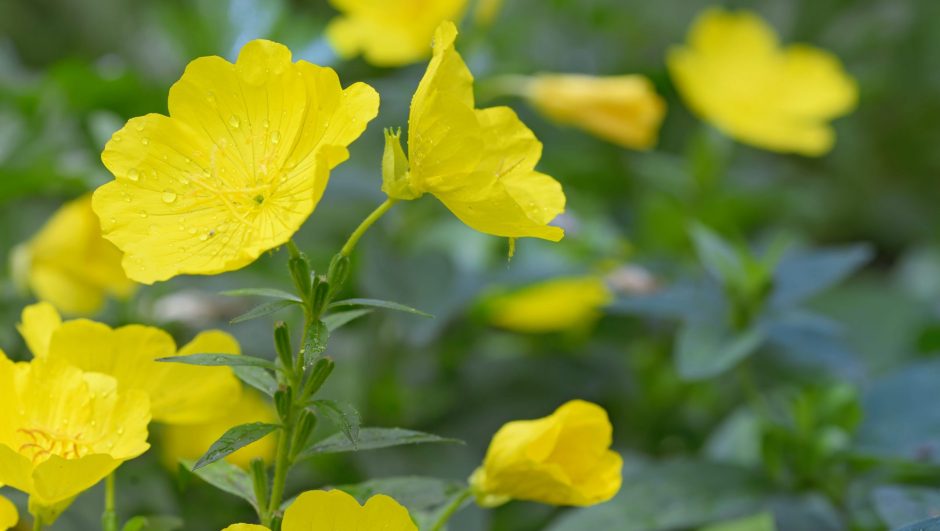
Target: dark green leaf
704,350
932,524
318,334
718,257
263,292
264,309
221,360
339,319
373,439
800,276
757,522
377,303
898,505
257,377
153,523
342,414
233,439
226,477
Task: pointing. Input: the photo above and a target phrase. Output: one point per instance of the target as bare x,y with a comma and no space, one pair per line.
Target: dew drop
169,196
117,138
275,137
143,214
145,141
133,175
192,230
139,126
234,121
203,237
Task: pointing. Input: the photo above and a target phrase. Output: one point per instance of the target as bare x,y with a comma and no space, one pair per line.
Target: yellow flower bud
552,306
8,514
625,110
562,459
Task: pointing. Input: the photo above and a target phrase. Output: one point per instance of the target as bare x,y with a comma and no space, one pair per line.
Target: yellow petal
336,510
235,170
389,32
192,440
734,74
38,322
179,393
246,527
58,479
622,109
551,306
8,514
70,265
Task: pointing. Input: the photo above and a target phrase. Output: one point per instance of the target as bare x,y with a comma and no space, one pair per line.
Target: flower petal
37,324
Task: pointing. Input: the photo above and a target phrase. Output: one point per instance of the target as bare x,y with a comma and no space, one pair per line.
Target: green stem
37,524
449,511
109,517
281,465
364,226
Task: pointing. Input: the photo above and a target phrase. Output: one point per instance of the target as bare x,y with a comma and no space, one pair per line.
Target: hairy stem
452,508
364,226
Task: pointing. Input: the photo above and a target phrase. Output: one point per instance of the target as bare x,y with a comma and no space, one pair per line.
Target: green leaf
221,360
672,495
263,292
318,334
257,377
718,257
374,439
424,497
263,309
233,439
226,477
342,414
377,303
757,522
801,276
705,349
932,524
898,505
339,319
153,523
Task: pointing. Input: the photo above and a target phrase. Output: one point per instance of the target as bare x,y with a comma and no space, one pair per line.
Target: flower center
38,444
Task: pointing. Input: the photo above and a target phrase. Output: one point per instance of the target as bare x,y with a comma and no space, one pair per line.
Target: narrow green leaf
315,342
718,257
223,360
340,319
377,303
374,439
153,523
263,292
233,439
932,524
226,477
704,350
757,522
257,377
342,414
263,309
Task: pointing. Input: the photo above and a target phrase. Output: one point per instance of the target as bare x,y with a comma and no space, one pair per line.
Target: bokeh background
72,71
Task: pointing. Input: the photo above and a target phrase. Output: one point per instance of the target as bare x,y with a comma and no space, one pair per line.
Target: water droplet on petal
145,141
117,138
234,121
143,214
275,137
169,196
133,175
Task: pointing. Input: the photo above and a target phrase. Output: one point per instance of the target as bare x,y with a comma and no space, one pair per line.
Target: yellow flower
179,394
63,430
486,11
734,74
625,110
319,510
389,32
69,264
562,459
235,169
8,514
191,441
478,162
551,306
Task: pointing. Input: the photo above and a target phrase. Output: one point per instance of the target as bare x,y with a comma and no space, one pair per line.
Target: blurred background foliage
829,422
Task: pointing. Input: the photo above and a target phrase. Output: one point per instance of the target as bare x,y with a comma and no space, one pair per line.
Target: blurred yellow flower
69,264
235,169
562,459
63,430
486,11
191,441
179,394
551,306
8,514
389,32
320,510
479,162
625,110
734,74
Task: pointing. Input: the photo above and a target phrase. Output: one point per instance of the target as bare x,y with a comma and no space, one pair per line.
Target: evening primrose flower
63,430
192,440
625,110
335,510
734,74
562,459
389,32
69,264
235,169
179,393
8,514
551,306
479,162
